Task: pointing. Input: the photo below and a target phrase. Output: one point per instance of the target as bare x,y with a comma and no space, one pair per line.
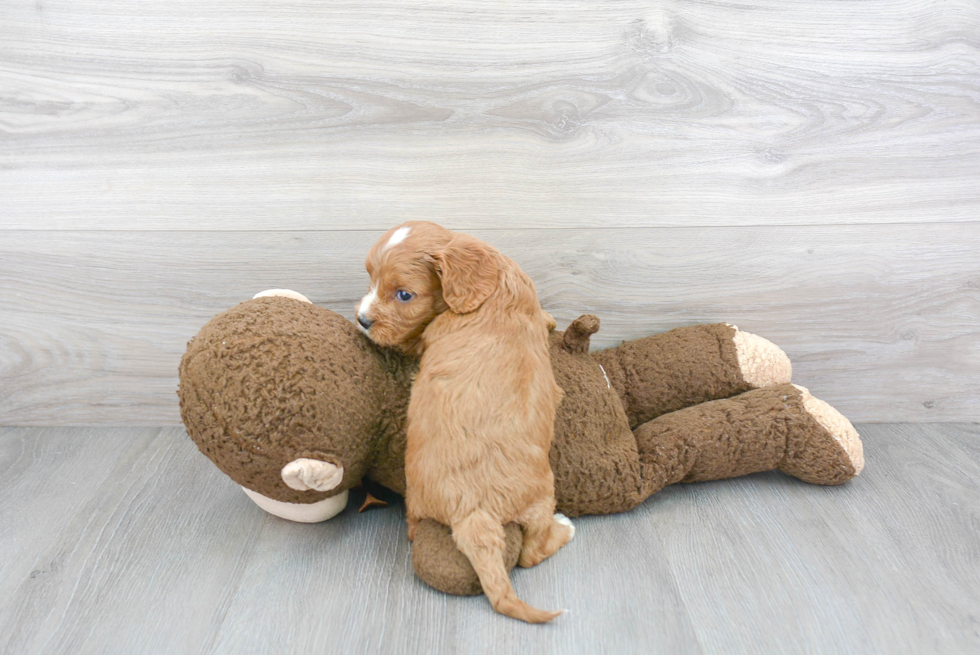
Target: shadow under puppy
482,410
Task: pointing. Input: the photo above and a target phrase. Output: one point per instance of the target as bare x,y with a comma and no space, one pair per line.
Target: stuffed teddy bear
294,404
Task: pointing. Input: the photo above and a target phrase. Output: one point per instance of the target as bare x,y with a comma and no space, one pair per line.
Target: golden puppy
482,411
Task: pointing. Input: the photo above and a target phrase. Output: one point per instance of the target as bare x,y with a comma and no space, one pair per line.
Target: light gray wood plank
889,563
168,556
367,598
310,115
148,563
47,476
880,321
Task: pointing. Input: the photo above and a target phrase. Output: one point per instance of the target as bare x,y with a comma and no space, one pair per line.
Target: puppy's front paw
550,321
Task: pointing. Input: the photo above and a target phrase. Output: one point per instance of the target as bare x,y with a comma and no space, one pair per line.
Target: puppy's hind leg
411,518
544,531
481,539
413,524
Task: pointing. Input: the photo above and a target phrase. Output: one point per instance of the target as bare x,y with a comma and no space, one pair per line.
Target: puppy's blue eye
404,296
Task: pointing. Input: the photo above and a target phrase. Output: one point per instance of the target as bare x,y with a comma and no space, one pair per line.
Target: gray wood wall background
809,171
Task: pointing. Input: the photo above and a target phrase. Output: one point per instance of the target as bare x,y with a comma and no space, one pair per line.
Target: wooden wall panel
345,114
881,321
810,171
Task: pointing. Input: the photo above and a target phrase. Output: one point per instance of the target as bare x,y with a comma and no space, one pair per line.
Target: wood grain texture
47,477
159,552
131,566
880,321
808,171
306,115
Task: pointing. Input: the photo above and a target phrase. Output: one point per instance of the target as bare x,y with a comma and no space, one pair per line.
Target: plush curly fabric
275,379
272,380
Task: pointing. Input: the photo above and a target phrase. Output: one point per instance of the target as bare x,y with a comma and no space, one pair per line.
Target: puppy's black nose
366,323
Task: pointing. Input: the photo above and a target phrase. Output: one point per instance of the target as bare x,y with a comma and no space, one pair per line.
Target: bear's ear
468,270
307,474
577,337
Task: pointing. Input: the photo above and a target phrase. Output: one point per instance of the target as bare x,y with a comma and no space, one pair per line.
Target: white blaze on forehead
400,235
366,301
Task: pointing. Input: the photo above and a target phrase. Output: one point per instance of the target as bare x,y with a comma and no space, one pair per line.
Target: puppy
482,410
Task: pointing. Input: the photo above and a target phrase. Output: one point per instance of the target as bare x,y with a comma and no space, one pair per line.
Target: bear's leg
689,366
780,427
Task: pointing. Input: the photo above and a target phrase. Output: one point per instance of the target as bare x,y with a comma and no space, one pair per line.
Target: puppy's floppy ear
468,271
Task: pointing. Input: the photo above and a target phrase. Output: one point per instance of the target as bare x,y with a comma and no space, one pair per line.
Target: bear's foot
762,363
825,448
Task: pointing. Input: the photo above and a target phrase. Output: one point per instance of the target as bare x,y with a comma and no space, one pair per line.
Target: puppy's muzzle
364,321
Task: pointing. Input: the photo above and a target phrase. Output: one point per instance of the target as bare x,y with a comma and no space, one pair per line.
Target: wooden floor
126,540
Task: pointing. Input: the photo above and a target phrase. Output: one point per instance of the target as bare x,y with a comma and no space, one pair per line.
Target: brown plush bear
297,407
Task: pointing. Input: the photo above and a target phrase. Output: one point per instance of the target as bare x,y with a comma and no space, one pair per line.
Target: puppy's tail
481,539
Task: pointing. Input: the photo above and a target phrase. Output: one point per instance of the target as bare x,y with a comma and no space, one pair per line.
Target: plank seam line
697,226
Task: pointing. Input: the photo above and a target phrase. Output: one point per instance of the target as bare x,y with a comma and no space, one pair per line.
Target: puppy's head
419,270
